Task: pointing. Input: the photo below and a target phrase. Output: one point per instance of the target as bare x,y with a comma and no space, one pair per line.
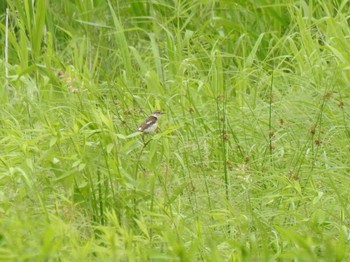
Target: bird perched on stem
151,123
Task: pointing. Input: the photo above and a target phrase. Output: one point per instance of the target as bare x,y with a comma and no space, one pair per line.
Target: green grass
250,163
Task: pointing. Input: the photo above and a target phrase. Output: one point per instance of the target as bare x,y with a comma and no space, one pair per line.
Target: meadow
251,161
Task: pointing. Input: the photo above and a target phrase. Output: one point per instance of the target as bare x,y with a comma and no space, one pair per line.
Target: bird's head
157,113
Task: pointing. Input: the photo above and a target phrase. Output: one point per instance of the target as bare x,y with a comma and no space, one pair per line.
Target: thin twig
6,51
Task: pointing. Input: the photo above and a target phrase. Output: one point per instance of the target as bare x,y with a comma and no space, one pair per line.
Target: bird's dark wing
147,123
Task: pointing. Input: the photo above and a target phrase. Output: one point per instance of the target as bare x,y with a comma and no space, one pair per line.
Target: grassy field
251,161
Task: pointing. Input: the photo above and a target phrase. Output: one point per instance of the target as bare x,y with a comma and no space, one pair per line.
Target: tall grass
250,161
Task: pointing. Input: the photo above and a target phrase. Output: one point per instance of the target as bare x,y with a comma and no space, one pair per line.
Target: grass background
250,163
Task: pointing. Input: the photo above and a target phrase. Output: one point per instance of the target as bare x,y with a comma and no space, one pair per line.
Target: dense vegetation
250,162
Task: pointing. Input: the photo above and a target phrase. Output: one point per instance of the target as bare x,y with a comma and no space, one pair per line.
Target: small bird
151,123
